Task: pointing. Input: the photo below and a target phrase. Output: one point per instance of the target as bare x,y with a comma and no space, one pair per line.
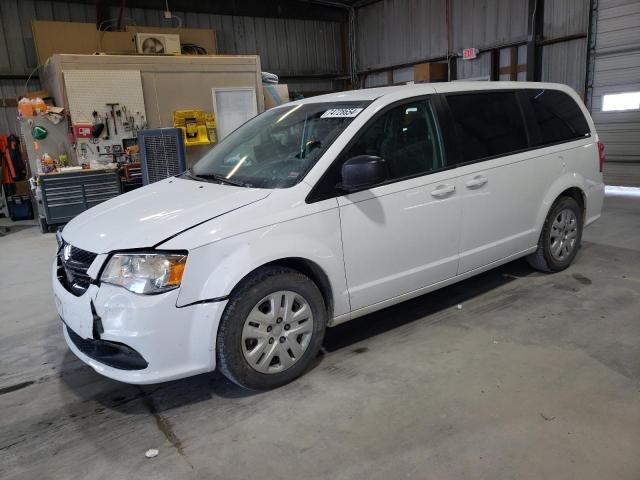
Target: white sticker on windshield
341,112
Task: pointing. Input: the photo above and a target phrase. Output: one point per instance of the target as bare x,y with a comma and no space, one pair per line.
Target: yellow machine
210,122
198,127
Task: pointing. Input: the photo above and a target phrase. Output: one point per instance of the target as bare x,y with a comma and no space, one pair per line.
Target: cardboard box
274,94
43,94
117,42
430,72
63,37
22,188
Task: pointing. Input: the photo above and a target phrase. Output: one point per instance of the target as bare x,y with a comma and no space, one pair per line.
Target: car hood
149,215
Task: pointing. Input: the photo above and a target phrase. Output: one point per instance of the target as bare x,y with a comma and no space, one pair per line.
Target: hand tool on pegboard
98,128
126,124
113,116
106,127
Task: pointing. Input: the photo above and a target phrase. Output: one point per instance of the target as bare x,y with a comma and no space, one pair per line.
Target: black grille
113,354
161,153
73,264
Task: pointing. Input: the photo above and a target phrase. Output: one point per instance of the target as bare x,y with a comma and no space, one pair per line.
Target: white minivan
320,211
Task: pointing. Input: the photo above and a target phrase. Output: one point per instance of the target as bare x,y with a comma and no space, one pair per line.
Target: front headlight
145,272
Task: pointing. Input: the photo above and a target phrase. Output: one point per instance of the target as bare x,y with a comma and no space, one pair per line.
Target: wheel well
578,196
311,270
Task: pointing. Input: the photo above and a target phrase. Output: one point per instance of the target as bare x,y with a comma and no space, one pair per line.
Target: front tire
271,330
560,237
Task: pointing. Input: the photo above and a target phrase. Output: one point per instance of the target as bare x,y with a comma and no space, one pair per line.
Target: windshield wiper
221,179
189,174
212,176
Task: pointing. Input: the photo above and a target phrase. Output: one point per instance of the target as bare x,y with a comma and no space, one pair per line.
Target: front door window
406,137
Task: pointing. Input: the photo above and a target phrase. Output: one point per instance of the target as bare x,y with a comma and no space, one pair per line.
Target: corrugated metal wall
485,24
565,17
488,23
617,70
565,62
394,32
287,47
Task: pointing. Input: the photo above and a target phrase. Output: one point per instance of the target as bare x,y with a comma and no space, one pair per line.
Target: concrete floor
537,376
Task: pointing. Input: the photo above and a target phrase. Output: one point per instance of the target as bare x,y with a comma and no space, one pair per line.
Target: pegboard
90,91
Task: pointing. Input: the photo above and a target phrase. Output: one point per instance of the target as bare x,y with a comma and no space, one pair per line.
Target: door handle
476,182
443,190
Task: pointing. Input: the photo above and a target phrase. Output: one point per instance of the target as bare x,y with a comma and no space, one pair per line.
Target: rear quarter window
557,116
487,124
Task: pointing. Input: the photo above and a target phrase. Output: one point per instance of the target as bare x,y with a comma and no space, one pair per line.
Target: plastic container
25,107
48,163
38,105
20,207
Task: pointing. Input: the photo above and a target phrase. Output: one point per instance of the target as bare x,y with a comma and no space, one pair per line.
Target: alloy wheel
563,234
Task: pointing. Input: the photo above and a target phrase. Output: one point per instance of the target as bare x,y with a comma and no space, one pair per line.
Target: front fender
213,270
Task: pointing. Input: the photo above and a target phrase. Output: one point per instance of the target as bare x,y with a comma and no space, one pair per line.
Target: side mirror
363,171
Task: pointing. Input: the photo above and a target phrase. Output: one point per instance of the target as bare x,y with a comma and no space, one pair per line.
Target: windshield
277,148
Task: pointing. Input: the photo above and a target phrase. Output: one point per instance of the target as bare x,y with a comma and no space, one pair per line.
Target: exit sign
469,53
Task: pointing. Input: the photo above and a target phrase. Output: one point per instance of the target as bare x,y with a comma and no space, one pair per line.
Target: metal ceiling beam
306,10
363,3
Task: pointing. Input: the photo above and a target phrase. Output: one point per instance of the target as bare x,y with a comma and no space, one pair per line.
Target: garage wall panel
617,70
565,17
488,23
615,73
394,32
314,85
376,79
477,69
566,63
618,26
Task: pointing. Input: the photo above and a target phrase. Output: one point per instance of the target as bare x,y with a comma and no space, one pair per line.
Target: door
613,91
502,182
232,107
401,235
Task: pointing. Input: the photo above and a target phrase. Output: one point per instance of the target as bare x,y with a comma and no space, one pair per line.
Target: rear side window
487,124
557,116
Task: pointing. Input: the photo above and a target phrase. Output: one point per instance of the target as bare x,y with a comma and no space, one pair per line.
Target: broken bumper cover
112,354
142,339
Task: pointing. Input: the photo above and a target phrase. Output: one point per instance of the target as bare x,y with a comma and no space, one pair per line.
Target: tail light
601,155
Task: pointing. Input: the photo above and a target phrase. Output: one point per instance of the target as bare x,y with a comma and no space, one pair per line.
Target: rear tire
560,237
271,330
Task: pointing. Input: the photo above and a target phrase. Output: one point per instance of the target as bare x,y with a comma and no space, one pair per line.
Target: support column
534,35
